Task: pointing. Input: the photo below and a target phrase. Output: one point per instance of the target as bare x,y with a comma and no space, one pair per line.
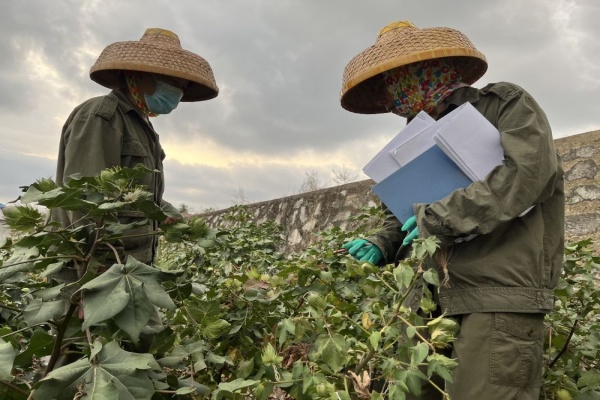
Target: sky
277,122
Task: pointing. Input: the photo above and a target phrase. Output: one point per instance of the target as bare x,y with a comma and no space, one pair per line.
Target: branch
9,308
43,259
51,323
371,353
565,346
14,387
56,351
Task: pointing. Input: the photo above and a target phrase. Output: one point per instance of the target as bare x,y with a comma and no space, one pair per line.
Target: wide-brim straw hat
402,43
158,51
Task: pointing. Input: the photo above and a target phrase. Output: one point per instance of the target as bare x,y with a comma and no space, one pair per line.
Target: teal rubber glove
410,227
364,250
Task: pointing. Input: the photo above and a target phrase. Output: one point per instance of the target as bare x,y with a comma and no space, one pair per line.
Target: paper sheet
383,165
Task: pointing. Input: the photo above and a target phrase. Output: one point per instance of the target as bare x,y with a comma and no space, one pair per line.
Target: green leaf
151,278
431,276
63,197
418,354
374,339
244,369
40,344
332,350
226,389
39,311
22,260
49,293
215,329
403,274
116,374
218,360
185,390
590,379
7,356
204,311
22,218
127,294
411,331
96,348
107,298
137,312
441,365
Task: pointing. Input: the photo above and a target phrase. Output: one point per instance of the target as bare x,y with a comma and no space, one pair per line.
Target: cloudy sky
279,65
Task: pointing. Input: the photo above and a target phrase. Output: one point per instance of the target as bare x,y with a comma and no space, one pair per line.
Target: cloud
279,66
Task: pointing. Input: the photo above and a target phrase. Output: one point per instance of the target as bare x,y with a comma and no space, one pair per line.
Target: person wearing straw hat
502,266
148,78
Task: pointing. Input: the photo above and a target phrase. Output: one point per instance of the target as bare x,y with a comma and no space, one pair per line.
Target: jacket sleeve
91,142
526,177
389,237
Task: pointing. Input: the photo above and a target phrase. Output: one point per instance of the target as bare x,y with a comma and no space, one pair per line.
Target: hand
410,226
364,250
172,220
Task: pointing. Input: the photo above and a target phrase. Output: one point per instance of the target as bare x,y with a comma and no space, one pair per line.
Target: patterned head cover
421,86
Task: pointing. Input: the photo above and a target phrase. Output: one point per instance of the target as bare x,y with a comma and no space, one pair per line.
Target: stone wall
581,161
303,214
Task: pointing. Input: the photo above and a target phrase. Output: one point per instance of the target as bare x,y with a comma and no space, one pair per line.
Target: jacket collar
127,106
462,95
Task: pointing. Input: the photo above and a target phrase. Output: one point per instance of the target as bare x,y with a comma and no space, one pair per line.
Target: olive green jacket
497,260
104,132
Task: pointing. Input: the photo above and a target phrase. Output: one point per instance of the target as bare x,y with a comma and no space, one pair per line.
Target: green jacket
512,263
104,132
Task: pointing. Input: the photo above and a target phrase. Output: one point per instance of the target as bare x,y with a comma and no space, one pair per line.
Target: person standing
148,78
505,262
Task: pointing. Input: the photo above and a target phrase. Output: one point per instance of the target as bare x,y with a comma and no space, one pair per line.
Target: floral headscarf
132,85
421,86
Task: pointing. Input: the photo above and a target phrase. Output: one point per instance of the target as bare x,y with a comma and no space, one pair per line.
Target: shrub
224,315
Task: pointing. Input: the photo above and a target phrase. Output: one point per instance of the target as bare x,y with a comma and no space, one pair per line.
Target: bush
224,315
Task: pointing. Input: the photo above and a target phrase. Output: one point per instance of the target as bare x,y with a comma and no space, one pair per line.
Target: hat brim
398,44
365,94
144,57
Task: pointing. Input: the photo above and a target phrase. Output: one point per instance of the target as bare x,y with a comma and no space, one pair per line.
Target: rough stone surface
304,214
581,161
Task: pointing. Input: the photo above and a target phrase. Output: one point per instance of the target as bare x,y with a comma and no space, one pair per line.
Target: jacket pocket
517,347
132,153
142,241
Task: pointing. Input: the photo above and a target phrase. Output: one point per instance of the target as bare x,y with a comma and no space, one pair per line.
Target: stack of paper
472,142
435,160
382,165
413,147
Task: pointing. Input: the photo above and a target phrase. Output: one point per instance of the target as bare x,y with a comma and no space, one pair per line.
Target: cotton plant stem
14,387
42,259
418,334
363,363
56,351
116,253
565,346
29,327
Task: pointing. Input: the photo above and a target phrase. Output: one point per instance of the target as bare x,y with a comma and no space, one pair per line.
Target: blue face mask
164,99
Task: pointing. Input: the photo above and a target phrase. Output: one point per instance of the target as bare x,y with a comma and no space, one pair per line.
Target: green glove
364,250
410,226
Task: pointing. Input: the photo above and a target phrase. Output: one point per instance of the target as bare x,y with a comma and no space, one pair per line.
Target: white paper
410,149
383,165
471,141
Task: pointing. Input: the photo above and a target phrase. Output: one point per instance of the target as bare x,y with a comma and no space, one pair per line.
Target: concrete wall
303,214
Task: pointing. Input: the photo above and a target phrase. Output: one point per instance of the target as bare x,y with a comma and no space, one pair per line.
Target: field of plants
224,315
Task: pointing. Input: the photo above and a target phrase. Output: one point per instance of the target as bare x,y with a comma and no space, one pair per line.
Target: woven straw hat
401,43
158,51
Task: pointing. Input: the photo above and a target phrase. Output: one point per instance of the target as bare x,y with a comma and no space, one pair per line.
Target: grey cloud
279,65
